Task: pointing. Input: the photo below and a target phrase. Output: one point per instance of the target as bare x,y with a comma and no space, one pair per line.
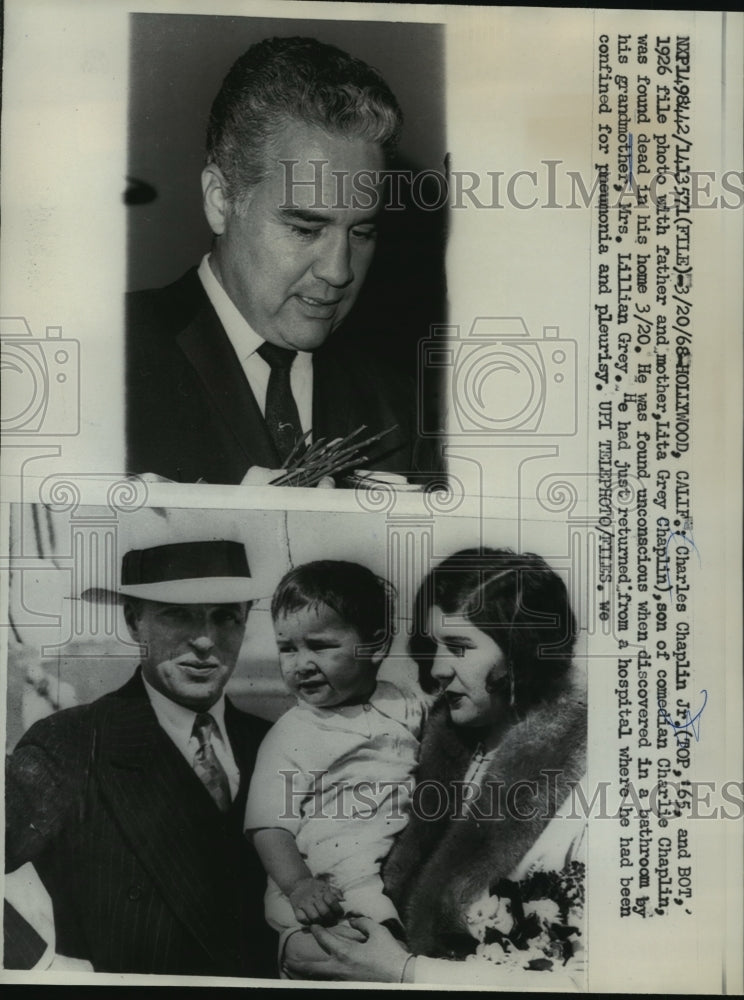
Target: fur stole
440,866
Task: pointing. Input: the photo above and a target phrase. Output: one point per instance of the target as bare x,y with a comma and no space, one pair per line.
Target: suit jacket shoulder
44,779
172,306
355,386
56,760
190,413
145,874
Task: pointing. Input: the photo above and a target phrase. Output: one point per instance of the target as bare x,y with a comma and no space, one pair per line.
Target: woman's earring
512,692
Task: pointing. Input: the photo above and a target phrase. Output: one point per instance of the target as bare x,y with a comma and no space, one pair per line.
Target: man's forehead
306,142
315,170
200,607
333,214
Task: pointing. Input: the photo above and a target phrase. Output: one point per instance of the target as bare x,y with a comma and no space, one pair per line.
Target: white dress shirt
246,342
178,724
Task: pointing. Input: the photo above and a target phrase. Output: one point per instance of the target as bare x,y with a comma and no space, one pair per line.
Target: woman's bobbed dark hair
517,600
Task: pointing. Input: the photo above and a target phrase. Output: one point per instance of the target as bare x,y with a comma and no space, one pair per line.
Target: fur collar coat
440,866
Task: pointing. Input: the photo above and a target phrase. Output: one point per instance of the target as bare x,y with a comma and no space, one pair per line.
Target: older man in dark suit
131,808
231,365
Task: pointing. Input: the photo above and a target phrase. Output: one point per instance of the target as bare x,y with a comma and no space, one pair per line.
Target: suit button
135,891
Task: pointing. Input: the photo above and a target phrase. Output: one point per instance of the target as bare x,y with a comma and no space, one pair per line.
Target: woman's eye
364,235
455,650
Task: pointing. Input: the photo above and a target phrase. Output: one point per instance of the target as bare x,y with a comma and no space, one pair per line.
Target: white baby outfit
340,781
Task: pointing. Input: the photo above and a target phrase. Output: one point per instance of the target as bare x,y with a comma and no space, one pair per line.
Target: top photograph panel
285,251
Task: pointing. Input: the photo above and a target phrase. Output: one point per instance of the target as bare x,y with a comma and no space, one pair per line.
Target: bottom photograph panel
308,746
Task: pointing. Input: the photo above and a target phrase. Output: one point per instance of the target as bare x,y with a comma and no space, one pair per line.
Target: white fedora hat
197,572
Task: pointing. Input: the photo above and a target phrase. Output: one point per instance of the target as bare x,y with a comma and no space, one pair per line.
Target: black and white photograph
278,194
256,744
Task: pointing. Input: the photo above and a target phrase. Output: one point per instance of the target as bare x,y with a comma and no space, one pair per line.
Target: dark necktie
206,766
281,415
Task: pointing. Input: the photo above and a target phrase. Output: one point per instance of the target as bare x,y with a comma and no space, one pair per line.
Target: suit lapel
210,353
168,819
345,397
333,401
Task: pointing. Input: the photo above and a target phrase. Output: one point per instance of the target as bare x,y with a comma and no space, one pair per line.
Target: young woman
487,872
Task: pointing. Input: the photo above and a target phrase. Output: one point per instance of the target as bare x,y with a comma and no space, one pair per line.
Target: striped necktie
206,766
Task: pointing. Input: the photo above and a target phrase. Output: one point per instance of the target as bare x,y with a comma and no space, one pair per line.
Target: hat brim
199,590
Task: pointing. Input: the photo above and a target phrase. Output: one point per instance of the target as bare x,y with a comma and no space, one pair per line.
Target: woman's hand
376,957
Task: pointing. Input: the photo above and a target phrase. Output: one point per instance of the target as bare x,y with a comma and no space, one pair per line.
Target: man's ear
214,193
130,617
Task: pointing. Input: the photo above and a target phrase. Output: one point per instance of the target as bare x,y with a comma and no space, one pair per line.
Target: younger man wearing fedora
131,808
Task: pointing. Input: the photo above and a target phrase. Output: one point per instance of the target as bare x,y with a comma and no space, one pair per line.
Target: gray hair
283,79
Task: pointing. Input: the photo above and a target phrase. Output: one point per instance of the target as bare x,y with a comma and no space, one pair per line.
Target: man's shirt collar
175,718
241,334
246,342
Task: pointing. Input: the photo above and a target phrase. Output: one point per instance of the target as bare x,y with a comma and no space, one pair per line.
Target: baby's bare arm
279,855
313,899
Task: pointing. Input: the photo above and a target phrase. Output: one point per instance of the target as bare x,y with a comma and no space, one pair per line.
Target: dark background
177,65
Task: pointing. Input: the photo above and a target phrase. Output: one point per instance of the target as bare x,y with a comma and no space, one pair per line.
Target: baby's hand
316,901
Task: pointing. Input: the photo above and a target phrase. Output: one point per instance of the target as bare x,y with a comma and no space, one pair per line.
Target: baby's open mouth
313,685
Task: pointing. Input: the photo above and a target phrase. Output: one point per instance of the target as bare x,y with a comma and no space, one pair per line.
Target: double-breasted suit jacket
191,414
144,872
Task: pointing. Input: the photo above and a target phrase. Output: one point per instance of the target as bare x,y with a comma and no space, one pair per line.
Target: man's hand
315,900
302,956
363,952
257,475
